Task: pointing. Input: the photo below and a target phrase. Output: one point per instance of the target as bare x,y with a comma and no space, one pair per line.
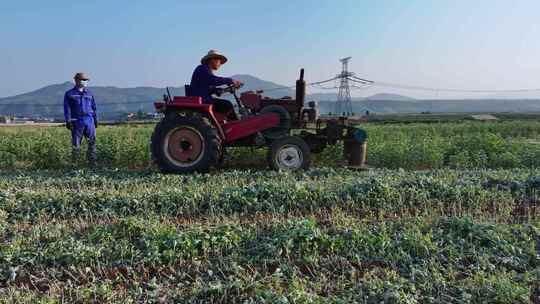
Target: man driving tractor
192,138
204,81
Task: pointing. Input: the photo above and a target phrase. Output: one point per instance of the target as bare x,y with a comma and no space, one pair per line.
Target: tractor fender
204,110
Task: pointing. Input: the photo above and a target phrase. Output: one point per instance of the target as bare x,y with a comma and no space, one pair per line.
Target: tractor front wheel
185,144
289,153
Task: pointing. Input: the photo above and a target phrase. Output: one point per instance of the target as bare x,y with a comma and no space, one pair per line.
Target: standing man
81,117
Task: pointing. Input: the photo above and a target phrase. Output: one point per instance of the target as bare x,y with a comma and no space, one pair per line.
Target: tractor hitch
354,140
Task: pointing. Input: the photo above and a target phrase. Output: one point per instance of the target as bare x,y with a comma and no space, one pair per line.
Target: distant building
131,116
22,120
41,119
155,115
5,119
144,116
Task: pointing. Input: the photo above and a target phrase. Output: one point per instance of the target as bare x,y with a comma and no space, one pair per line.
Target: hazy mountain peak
114,102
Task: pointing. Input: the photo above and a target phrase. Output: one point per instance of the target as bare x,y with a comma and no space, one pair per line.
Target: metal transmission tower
344,105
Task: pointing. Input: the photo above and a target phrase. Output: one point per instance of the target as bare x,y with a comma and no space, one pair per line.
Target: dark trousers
225,107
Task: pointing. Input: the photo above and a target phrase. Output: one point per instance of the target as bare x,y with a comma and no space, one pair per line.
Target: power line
367,82
431,89
327,88
294,86
344,76
320,86
359,87
358,79
324,81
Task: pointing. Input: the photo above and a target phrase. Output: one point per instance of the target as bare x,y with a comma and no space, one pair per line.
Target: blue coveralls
80,110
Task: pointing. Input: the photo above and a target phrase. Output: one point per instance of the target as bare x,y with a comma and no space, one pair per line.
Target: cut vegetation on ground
459,223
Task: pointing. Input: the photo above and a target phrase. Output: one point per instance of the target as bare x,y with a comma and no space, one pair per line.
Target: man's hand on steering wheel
237,84
228,89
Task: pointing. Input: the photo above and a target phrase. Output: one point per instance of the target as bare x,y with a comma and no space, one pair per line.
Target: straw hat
213,54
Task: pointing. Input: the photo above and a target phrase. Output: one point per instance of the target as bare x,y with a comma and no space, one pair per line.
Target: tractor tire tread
212,151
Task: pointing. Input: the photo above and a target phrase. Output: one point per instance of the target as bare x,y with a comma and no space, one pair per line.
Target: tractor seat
188,98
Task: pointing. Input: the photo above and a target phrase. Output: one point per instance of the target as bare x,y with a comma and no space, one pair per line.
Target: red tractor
192,137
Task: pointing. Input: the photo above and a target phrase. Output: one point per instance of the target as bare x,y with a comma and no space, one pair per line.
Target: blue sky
460,44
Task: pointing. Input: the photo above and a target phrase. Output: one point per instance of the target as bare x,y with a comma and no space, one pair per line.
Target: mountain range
114,103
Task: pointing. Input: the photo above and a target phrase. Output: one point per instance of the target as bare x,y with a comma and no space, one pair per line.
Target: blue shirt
203,79
78,105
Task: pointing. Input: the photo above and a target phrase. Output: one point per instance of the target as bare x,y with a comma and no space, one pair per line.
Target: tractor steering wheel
231,89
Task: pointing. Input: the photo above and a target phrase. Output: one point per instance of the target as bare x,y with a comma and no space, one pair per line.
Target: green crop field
449,214
507,144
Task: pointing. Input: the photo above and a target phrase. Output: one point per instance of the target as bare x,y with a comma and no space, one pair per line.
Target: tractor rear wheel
185,144
289,153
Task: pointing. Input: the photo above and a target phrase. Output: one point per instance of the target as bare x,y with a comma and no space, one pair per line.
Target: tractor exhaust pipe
301,89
